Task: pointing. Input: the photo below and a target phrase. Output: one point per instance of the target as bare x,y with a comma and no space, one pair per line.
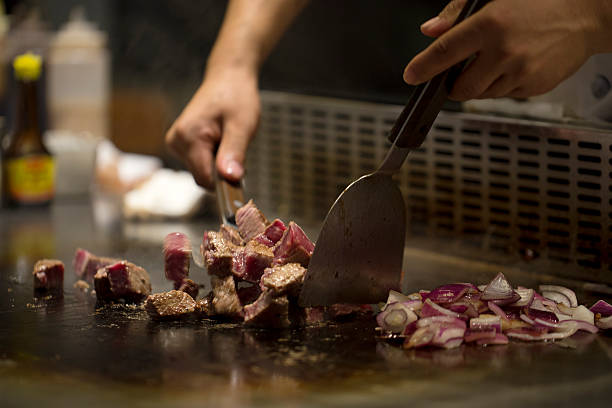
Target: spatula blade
358,255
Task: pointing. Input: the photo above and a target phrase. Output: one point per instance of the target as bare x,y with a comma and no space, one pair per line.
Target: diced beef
204,306
230,234
248,294
294,246
251,222
272,233
188,286
122,280
48,275
87,264
284,279
170,305
250,261
225,299
268,311
177,251
218,254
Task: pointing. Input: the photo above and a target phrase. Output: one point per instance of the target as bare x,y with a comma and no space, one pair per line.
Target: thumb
232,150
444,21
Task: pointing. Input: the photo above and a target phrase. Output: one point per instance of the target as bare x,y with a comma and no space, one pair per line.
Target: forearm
598,25
250,30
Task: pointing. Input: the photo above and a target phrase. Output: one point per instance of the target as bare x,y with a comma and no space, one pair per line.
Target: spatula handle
230,197
416,119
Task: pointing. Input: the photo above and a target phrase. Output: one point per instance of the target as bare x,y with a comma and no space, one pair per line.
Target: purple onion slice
475,335
396,317
486,323
395,297
440,320
575,325
420,338
542,314
603,308
497,310
604,323
498,289
453,343
448,293
557,297
526,297
497,339
571,296
445,334
432,309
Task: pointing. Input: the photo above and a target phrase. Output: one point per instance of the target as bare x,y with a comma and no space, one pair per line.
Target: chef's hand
522,47
224,111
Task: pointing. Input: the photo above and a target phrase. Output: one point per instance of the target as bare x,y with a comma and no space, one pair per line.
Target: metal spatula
358,255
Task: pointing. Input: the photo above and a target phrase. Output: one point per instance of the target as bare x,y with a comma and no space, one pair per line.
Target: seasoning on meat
204,306
230,234
170,305
177,251
268,311
225,300
190,287
87,264
122,280
284,279
294,246
217,253
48,275
251,222
272,233
250,261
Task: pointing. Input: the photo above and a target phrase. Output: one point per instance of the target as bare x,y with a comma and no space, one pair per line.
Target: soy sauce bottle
28,167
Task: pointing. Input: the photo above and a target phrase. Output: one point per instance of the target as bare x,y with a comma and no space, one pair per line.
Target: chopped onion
445,334
557,297
571,296
498,289
541,314
432,309
421,337
496,339
440,320
604,322
582,313
453,343
526,297
574,325
603,308
396,297
475,335
448,293
396,317
486,322
497,310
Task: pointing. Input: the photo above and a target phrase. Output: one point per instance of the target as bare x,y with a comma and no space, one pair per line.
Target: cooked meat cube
248,294
251,222
122,280
272,234
284,279
231,235
268,311
225,300
204,306
87,264
48,275
177,251
218,254
188,286
294,246
250,261
170,305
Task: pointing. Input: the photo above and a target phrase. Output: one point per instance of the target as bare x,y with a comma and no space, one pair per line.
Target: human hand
522,48
224,111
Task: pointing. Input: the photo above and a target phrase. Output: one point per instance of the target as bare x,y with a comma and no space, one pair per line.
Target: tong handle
230,197
417,117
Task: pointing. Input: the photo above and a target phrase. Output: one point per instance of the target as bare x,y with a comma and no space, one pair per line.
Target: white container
79,78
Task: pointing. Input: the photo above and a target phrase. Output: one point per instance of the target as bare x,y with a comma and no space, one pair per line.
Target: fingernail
233,168
431,23
409,76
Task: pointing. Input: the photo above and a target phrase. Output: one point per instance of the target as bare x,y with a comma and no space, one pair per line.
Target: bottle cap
27,66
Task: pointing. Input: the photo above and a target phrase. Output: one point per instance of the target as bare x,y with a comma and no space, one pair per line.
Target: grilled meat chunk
268,311
294,246
272,233
284,279
225,298
218,254
250,261
177,251
251,222
48,275
87,264
122,280
170,305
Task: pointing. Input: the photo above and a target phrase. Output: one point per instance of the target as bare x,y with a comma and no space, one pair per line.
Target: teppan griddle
67,352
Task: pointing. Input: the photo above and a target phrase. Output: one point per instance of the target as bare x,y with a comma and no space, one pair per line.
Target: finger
232,150
444,21
454,46
501,87
476,79
199,160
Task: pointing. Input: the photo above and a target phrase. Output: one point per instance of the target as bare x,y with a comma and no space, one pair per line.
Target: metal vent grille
504,185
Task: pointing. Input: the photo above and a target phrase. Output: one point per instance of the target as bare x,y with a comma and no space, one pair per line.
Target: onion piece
395,297
563,290
557,297
421,337
453,343
440,320
542,314
448,293
497,339
396,317
432,309
445,334
475,335
575,325
498,289
604,323
486,322
601,307
497,310
526,297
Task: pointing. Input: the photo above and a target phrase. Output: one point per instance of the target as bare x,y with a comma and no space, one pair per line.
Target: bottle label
31,179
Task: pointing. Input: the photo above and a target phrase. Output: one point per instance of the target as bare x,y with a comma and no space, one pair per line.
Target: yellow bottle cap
27,66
